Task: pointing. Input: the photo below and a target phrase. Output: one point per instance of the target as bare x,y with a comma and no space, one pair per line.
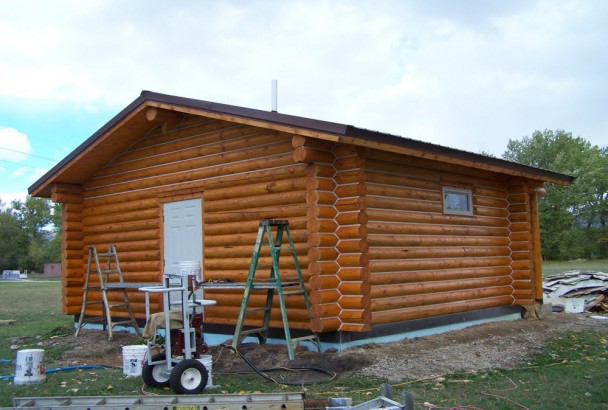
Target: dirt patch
91,347
273,356
481,347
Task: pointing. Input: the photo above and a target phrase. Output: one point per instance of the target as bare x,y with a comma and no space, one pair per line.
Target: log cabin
394,235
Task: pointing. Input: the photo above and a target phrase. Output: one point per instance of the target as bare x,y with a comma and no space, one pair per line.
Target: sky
467,74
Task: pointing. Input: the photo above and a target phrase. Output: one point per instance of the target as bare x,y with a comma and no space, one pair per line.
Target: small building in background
52,269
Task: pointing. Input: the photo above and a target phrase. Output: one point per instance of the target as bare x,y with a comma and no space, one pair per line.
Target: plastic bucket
29,367
207,361
192,268
133,359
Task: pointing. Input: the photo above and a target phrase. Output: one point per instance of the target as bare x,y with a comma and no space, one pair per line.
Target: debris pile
12,274
576,291
600,304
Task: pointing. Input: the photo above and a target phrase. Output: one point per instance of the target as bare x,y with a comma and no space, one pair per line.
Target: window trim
459,191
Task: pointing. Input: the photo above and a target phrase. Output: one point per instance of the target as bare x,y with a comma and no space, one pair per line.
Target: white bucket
192,268
133,359
207,361
29,367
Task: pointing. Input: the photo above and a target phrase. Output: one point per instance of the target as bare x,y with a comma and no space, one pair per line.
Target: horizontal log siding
369,229
423,262
232,212
71,246
242,173
521,243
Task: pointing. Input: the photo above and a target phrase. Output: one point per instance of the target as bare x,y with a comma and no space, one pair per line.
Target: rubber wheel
153,374
188,377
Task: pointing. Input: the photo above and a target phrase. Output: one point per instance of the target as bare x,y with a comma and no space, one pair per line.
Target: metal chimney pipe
274,95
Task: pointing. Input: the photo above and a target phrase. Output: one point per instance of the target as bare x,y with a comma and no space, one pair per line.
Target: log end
325,325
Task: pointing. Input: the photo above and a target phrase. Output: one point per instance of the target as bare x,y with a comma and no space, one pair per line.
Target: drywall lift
181,371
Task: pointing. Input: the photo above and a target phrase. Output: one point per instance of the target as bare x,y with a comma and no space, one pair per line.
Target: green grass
553,267
42,277
568,373
35,307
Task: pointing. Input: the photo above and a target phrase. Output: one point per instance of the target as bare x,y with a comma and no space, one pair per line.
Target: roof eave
302,126
42,186
353,135
428,150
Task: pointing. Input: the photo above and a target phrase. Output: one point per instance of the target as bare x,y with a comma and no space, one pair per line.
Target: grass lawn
553,267
569,373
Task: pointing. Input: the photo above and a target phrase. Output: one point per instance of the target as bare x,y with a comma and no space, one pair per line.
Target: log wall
369,229
520,235
423,262
353,258
322,240
70,196
337,246
241,173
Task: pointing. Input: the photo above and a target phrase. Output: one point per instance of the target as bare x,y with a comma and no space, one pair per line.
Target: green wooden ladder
271,284
110,279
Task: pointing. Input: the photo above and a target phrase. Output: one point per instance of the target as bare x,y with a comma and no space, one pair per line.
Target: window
457,201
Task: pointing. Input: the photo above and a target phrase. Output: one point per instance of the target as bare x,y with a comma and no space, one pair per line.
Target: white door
183,233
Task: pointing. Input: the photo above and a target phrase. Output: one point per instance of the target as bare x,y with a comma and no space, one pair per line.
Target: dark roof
302,123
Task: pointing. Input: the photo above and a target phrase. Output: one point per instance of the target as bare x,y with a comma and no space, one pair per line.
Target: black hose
261,373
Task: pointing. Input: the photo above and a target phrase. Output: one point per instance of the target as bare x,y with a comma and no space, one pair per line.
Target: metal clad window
457,201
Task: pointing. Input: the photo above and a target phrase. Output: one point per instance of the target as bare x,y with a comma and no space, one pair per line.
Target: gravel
506,344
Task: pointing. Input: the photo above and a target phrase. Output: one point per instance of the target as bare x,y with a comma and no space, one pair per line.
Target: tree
29,234
573,219
34,215
12,239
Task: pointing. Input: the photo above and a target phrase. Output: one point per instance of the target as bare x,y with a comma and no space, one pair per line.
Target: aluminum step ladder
255,401
109,280
274,283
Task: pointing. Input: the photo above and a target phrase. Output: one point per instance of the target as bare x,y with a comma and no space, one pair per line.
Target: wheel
154,375
188,377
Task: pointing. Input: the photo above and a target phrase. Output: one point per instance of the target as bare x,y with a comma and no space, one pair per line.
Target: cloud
14,145
37,173
468,74
475,86
19,172
7,197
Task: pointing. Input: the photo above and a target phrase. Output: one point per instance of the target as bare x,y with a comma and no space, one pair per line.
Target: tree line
29,234
573,219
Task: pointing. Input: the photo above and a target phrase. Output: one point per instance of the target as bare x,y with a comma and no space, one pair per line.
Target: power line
20,164
26,153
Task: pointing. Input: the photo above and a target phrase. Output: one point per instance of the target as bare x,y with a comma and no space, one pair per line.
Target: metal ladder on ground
256,401
271,284
110,280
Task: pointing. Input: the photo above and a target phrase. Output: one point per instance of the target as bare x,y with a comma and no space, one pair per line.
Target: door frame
175,197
